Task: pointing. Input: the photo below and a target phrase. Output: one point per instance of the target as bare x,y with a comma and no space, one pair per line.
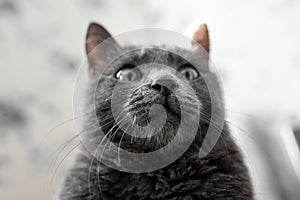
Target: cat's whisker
112,135
121,142
69,142
63,146
124,120
109,137
234,125
221,106
107,118
111,121
219,129
60,151
211,121
98,161
92,163
60,163
63,123
241,130
105,108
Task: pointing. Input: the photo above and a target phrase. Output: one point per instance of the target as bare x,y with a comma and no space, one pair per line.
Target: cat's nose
164,85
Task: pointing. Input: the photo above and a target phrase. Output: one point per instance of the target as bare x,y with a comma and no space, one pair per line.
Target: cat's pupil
129,76
188,75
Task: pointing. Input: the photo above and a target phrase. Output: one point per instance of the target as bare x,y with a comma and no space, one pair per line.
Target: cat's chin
144,119
147,140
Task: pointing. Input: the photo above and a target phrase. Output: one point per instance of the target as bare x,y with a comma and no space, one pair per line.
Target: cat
221,174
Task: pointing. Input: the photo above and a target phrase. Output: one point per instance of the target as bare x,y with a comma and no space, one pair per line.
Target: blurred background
254,44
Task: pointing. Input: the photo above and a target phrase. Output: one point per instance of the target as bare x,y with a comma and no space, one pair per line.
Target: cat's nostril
164,86
157,87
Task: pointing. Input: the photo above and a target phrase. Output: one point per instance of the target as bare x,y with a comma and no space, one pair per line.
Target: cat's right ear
98,55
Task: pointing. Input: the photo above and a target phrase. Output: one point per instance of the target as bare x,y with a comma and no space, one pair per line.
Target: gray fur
220,175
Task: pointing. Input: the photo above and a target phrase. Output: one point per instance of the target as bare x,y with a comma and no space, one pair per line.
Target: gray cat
219,175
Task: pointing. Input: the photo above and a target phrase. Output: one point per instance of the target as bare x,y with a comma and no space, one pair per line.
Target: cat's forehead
154,54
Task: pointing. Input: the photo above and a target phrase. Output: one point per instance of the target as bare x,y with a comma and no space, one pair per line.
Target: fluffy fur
220,175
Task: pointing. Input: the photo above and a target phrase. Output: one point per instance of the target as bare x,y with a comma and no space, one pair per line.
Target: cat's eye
128,74
188,72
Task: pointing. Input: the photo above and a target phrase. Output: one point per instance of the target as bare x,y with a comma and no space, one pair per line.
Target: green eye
128,74
188,72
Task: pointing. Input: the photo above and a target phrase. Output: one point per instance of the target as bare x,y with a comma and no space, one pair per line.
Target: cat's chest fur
218,176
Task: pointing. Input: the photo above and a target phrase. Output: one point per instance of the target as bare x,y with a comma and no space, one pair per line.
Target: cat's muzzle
143,98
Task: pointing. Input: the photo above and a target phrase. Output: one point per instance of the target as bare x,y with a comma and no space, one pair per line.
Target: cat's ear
201,36
97,34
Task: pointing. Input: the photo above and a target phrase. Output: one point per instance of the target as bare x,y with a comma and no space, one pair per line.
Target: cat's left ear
201,36
98,55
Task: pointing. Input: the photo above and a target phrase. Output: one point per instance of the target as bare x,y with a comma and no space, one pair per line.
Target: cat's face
142,77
